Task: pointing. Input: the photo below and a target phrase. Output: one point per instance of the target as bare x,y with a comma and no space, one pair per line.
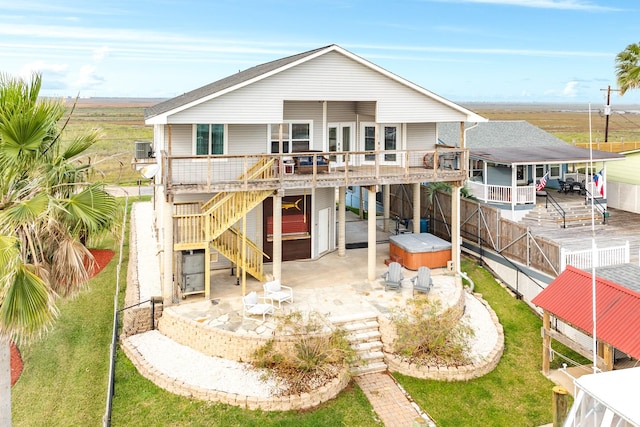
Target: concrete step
368,369
369,357
364,336
367,347
351,318
367,324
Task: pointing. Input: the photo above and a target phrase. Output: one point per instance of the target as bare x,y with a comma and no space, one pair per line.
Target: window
296,137
209,139
554,171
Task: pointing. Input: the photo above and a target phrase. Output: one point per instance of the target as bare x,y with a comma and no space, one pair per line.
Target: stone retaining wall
450,373
273,403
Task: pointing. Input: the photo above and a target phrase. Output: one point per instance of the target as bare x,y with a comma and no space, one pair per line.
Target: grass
513,394
65,377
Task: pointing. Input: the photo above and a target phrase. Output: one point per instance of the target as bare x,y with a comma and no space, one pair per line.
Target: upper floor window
209,139
296,137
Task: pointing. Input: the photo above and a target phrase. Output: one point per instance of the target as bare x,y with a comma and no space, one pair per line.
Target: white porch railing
582,259
502,193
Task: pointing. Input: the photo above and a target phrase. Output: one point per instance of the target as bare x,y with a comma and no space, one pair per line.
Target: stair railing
554,203
601,208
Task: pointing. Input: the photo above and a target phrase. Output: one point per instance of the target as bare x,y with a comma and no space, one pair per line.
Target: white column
342,221
169,292
386,204
277,235
371,238
416,207
455,227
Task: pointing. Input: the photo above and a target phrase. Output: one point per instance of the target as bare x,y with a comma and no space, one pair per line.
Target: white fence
582,259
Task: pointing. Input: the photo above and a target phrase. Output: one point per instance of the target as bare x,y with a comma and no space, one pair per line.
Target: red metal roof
569,298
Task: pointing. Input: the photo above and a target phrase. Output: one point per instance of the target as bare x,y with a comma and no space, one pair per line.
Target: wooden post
559,405
608,357
546,341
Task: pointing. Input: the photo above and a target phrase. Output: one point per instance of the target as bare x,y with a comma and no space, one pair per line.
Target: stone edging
454,373
273,403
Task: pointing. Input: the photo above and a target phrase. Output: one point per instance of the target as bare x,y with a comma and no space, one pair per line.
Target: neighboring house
569,299
248,166
623,189
507,158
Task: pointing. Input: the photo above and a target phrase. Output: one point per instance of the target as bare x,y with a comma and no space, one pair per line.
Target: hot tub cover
419,243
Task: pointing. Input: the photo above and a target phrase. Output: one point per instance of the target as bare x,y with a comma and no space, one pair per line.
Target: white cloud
547,4
87,77
570,89
100,53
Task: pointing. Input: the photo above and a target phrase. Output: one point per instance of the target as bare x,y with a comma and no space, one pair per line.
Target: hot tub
416,250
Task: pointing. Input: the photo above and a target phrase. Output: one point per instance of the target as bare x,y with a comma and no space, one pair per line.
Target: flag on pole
542,182
598,179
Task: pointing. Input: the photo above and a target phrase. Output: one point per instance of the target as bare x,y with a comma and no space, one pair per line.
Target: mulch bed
102,257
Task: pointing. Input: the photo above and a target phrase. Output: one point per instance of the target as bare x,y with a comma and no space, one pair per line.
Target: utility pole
607,112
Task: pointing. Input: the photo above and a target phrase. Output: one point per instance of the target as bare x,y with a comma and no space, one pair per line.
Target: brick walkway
389,401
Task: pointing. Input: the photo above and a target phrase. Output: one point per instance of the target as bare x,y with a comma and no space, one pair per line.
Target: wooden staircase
577,214
197,226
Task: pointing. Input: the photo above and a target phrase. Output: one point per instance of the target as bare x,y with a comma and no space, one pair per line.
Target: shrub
429,335
315,354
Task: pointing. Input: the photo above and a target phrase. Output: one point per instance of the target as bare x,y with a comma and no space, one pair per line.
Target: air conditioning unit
143,150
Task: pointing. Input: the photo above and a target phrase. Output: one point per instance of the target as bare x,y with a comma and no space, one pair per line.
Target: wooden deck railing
322,169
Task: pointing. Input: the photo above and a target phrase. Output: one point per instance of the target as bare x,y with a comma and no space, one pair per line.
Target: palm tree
48,210
628,68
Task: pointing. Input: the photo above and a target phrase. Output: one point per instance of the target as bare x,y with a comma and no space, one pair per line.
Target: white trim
289,123
471,116
225,138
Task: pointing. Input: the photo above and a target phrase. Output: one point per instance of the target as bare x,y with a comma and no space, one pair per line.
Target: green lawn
515,393
65,377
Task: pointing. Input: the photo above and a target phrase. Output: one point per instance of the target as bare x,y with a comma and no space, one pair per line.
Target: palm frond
72,266
27,307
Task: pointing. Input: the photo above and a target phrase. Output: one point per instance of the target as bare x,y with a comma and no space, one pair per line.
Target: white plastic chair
393,277
252,306
275,291
422,282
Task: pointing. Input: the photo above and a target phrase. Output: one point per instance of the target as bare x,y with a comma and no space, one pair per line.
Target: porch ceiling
540,155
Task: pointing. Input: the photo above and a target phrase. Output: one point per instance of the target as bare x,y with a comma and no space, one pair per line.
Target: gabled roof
569,297
517,142
262,71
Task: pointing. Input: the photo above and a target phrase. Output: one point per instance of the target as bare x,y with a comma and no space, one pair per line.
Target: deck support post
342,221
416,207
371,235
169,291
386,205
277,234
455,226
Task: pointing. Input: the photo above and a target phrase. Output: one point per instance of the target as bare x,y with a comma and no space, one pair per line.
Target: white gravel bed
215,373
194,368
485,334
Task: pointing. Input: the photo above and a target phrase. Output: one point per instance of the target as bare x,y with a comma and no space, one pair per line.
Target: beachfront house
250,169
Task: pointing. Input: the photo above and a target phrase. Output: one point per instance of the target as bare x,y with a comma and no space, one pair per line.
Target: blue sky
463,50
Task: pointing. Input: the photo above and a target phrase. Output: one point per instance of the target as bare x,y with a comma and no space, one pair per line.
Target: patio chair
393,277
252,307
275,291
422,282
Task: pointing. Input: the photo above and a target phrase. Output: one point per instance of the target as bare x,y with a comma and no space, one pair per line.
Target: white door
323,230
385,141
368,142
340,140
